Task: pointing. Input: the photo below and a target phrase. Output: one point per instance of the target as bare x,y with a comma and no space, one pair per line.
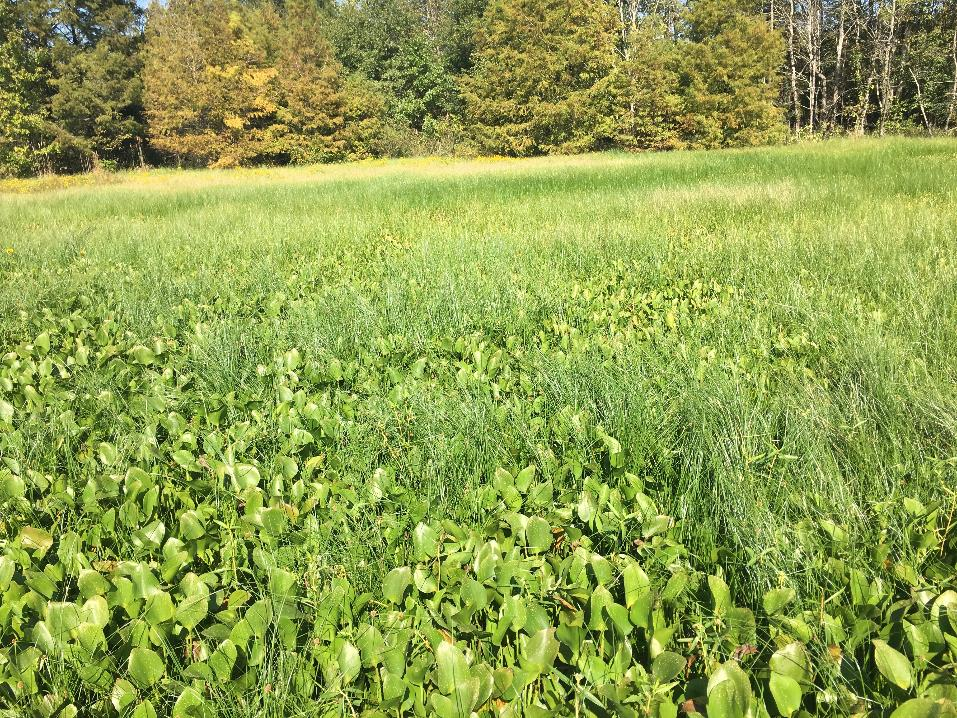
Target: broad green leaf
730,673
425,542
190,704
6,411
258,616
396,583
350,662
61,618
194,602
776,599
184,458
143,355
636,583
923,708
145,667
247,476
538,534
587,507
159,608
222,660
720,595
144,710
786,692
108,454
540,651
723,701
792,661
667,666
32,538
893,665
123,694
282,585
451,667
12,487
91,583
524,478
460,703
42,343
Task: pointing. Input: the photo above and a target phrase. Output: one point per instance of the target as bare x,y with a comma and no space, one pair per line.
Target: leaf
425,542
144,710
247,476
723,701
12,487
786,692
184,458
396,582
145,667
35,539
143,355
460,703
282,585
61,618
920,708
194,604
6,411
636,583
350,663
720,595
893,665
122,695
451,667
524,478
667,666
538,534
190,704
792,661
222,660
587,507
108,454
159,608
730,673
540,651
776,599
42,342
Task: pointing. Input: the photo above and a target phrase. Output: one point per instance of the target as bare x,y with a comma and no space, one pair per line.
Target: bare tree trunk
813,47
886,94
863,104
953,87
792,59
838,70
920,101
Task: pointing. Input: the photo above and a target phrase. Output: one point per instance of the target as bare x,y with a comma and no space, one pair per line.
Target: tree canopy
86,84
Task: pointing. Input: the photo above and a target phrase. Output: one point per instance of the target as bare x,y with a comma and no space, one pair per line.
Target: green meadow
601,435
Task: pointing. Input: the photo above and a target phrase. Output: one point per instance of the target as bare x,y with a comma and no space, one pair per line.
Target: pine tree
209,93
541,77
96,102
323,115
731,81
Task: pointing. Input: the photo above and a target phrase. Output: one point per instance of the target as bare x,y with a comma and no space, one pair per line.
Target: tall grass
833,378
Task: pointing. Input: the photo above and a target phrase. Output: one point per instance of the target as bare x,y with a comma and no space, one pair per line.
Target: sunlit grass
830,380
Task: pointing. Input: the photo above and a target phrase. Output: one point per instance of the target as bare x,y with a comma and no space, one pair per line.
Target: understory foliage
101,84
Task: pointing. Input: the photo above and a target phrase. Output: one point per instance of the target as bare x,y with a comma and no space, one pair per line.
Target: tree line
107,83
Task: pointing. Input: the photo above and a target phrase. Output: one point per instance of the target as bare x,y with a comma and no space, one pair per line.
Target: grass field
264,381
